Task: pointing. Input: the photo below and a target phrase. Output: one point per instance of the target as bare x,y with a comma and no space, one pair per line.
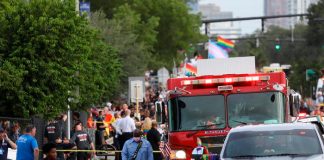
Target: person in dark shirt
55,133
100,139
5,143
49,150
154,137
82,141
152,111
14,132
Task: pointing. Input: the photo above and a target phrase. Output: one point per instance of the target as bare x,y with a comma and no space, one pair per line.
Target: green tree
248,47
316,30
107,6
298,53
122,32
48,53
177,28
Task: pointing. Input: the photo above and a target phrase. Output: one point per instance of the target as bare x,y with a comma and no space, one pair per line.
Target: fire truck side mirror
294,104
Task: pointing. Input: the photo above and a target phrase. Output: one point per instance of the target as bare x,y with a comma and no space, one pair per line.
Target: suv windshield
296,142
255,108
197,113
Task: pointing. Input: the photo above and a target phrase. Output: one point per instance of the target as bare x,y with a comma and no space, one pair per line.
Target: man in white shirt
126,126
118,132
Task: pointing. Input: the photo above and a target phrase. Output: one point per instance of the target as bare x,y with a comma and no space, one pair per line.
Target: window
266,107
197,113
296,142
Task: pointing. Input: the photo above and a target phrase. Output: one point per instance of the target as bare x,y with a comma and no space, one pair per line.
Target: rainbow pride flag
216,51
225,43
190,69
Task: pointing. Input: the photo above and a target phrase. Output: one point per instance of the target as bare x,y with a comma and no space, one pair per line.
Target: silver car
290,141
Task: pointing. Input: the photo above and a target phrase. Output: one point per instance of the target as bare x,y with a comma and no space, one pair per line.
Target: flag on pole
215,51
165,150
225,42
190,69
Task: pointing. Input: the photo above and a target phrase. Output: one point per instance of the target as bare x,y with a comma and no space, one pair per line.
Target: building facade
224,29
276,7
284,7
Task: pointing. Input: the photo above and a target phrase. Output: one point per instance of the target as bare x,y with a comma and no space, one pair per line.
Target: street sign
136,89
85,8
130,88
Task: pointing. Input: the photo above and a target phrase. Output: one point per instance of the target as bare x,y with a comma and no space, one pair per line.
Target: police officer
82,141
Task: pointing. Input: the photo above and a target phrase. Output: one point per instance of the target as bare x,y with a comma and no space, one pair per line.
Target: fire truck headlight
180,154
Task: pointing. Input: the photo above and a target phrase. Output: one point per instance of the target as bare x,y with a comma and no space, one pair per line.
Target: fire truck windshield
268,107
197,113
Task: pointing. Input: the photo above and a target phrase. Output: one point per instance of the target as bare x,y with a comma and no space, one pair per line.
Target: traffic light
277,45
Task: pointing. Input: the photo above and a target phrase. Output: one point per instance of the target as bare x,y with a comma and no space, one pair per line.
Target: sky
242,8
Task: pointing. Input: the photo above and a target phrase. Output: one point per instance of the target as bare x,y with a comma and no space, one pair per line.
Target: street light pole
70,99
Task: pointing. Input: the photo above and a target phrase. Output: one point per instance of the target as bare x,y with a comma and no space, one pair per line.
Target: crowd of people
114,125
135,135
12,129
313,106
123,126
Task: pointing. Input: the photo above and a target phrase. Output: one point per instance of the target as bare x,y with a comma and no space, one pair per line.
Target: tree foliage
123,33
48,55
316,30
296,52
176,29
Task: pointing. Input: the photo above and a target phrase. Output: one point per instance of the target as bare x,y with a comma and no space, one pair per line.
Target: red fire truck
204,108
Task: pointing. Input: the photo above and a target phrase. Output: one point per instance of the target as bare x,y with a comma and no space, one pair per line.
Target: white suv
297,141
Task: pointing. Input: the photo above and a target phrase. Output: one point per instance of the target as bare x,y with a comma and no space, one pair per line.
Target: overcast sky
242,8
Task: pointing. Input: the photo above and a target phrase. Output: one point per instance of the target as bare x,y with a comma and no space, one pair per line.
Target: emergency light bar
225,80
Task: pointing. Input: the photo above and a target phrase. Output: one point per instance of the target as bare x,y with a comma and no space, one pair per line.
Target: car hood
314,157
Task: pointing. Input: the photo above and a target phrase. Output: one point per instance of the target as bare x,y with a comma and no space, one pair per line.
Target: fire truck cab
204,108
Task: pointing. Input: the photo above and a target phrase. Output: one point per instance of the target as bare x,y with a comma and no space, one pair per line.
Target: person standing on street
5,144
55,133
137,148
82,141
125,107
100,139
154,137
14,133
147,124
117,131
108,120
27,147
127,126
